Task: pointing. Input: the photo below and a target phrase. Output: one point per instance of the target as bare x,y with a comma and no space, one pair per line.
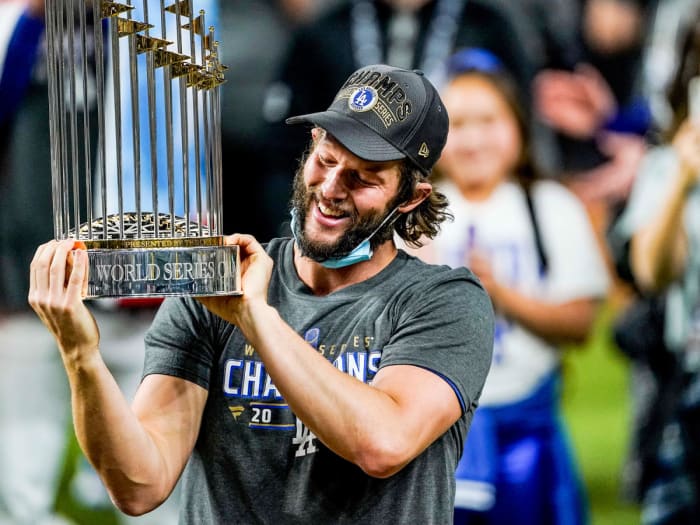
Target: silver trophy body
144,196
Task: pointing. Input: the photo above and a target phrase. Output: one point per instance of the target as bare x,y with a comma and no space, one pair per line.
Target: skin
140,450
612,26
576,103
35,8
659,250
482,150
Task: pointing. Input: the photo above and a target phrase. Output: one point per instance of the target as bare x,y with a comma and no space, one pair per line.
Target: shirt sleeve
447,327
183,341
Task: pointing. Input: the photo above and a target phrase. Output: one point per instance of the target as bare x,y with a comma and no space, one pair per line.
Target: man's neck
323,281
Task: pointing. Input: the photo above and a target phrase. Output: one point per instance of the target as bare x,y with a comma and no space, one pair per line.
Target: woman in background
662,219
531,244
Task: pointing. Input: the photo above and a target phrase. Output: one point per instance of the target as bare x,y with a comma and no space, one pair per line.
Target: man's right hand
58,280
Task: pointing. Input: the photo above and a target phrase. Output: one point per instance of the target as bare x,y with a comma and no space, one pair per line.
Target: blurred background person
34,407
601,109
532,245
662,219
599,96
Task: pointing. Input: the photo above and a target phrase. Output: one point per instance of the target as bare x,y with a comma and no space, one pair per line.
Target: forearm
131,461
568,322
658,250
112,438
363,424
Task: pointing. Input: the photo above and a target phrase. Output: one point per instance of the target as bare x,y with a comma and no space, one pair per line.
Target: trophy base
164,271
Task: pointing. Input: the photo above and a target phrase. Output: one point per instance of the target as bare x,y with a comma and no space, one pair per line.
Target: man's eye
324,161
357,177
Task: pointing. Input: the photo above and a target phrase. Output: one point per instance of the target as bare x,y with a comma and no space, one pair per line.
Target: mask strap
386,219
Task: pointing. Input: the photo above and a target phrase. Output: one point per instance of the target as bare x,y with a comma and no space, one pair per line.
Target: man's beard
358,231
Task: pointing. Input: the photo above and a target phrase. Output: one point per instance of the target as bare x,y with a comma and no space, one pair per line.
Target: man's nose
333,187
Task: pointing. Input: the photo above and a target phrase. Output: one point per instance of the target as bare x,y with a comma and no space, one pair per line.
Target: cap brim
360,139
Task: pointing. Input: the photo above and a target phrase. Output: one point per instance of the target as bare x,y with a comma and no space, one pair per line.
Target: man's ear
421,192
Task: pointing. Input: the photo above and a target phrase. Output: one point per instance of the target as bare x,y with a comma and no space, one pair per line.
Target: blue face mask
362,252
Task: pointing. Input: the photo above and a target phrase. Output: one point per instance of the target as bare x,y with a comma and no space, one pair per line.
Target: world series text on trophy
144,196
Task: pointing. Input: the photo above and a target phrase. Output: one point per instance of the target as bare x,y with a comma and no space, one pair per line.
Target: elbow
134,506
137,499
382,459
575,337
578,330
579,337
582,331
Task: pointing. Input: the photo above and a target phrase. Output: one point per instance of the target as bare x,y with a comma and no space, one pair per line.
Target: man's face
341,199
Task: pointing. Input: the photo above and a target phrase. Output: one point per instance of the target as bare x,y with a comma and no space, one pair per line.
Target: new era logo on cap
386,113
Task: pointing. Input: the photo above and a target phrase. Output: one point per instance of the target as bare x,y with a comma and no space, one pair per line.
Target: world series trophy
144,197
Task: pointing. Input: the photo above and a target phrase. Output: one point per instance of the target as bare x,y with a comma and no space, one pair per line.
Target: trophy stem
116,84
183,120
65,204
195,118
167,94
101,126
85,99
54,115
136,129
216,95
73,115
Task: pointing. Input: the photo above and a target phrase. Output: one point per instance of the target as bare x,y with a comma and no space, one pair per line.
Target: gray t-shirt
256,462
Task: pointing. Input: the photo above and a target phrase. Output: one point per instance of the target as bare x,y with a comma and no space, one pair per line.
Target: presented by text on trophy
142,193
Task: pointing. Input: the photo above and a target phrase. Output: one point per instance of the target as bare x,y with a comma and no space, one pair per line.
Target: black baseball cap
386,113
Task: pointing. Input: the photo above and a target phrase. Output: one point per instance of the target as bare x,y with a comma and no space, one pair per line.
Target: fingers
40,266
76,287
57,269
248,243
50,271
238,238
33,270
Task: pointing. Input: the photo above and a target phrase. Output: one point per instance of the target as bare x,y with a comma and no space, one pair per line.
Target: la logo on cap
363,99
424,151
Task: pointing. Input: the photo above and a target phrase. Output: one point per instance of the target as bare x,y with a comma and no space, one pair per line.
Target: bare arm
140,452
566,322
380,427
659,250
